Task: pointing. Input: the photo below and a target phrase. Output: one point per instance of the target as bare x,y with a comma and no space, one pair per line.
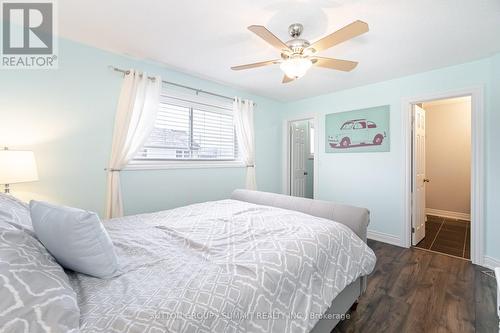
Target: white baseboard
385,238
490,262
447,214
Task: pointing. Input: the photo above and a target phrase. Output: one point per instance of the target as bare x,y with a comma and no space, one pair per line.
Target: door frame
286,151
477,164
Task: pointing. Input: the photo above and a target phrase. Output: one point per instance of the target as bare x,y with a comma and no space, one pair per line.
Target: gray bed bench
356,218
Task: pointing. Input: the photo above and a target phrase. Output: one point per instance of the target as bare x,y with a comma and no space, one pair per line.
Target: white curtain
243,121
134,121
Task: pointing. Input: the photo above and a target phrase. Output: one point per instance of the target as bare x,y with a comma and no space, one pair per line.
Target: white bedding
223,266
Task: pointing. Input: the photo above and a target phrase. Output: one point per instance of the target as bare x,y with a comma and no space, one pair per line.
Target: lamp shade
17,167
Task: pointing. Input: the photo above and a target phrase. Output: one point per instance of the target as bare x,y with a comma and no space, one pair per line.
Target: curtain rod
198,91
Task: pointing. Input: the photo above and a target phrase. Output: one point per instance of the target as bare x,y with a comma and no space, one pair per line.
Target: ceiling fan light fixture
296,67
298,55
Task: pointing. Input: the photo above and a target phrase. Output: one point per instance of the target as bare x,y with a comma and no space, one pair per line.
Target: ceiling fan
298,55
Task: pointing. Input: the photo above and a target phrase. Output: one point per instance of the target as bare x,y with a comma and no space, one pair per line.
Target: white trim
491,263
448,214
285,188
477,165
164,165
383,237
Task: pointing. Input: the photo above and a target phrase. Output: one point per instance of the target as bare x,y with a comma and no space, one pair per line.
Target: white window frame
184,164
139,164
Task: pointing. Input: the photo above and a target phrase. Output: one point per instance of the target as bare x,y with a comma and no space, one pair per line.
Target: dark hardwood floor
413,290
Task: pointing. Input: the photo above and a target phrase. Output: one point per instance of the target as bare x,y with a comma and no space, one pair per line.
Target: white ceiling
206,37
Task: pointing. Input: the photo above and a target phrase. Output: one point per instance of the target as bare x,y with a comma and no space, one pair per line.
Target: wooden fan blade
257,64
286,79
268,36
349,31
340,65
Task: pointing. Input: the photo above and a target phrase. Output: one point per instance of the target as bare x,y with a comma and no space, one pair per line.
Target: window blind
189,127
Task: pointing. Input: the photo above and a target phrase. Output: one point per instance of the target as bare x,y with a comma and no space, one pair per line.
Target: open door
298,174
419,180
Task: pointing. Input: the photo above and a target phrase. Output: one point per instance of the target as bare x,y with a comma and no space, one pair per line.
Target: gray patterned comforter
223,266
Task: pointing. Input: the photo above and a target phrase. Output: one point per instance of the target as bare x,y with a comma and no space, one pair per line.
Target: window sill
162,165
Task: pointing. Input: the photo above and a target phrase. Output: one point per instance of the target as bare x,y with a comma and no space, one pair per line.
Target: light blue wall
66,116
375,180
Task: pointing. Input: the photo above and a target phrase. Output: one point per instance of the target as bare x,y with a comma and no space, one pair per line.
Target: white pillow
76,238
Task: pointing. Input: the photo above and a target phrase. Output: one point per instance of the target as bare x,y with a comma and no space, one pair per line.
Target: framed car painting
358,131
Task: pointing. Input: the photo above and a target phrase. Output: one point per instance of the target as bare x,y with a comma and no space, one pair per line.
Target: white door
298,139
419,180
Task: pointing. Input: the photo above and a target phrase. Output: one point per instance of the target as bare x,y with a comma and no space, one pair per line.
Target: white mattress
223,266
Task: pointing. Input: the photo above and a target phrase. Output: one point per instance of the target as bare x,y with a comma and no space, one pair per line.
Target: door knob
305,173
427,180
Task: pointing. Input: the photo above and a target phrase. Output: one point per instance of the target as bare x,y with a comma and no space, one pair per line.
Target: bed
238,265
257,262
356,218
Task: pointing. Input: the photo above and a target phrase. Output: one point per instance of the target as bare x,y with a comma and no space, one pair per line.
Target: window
347,125
360,125
371,124
190,130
